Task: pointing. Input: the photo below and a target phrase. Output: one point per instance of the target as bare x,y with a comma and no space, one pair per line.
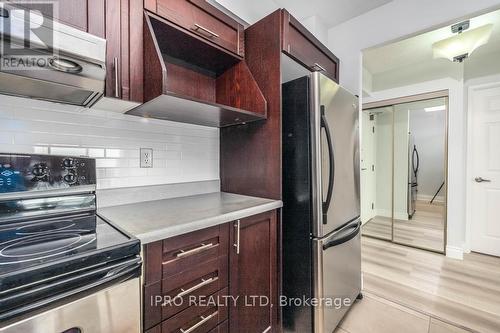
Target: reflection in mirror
376,172
419,173
403,163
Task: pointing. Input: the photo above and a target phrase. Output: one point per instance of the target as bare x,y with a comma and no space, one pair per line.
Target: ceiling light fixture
436,108
461,46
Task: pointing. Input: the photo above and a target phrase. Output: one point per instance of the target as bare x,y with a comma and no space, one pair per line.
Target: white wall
392,21
383,161
456,152
318,28
429,132
181,152
400,186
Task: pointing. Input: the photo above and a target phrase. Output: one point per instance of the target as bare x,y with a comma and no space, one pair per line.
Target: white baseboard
403,216
455,252
383,212
425,197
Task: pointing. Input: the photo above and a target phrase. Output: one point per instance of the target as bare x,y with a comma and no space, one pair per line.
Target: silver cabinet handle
200,248
321,68
210,32
237,244
198,324
117,83
196,287
482,180
193,288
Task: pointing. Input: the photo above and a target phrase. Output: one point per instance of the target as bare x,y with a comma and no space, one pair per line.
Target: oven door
337,272
114,309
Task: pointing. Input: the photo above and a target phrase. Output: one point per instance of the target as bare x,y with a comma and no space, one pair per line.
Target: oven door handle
119,273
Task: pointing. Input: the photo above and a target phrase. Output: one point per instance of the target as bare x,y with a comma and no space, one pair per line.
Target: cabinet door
300,44
70,12
204,21
124,63
253,274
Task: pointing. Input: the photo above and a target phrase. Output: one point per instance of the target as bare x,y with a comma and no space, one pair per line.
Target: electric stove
52,243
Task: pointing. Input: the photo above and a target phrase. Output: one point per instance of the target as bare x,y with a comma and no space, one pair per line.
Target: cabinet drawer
222,328
205,21
199,318
301,45
183,252
201,281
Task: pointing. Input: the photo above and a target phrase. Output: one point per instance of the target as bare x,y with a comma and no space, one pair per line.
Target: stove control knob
69,163
40,171
70,178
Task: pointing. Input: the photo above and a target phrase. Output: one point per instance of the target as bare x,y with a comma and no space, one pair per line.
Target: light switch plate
146,157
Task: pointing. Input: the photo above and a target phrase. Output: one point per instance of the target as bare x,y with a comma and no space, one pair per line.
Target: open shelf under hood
191,81
185,110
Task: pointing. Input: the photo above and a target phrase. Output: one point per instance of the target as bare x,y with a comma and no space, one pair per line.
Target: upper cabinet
194,68
124,53
300,44
85,15
203,20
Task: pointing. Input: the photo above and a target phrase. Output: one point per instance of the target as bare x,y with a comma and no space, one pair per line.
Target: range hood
188,80
53,62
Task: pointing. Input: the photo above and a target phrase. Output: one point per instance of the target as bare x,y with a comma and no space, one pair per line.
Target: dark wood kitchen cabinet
124,56
85,15
300,44
237,259
202,20
254,274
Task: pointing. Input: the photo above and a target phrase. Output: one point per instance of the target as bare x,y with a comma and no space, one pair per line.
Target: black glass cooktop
56,252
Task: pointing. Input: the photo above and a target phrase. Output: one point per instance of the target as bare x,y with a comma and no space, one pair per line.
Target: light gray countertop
151,221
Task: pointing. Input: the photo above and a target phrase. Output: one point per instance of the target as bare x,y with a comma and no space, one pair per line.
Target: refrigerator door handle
331,156
345,236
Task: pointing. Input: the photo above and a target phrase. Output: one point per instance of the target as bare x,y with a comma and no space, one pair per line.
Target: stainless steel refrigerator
321,213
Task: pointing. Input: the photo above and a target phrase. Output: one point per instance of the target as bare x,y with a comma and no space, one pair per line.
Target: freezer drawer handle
344,238
326,203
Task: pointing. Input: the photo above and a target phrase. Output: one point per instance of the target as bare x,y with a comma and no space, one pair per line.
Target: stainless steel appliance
53,61
62,267
321,212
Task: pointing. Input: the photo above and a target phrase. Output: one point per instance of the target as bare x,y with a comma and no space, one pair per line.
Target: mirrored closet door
404,173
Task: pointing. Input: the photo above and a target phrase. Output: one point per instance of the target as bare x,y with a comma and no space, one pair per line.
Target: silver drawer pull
190,290
210,32
321,68
237,225
200,248
196,287
201,322
116,68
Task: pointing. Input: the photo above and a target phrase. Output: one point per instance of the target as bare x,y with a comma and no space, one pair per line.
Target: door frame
468,167
416,98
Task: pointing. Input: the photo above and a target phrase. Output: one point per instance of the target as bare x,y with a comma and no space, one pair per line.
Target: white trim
428,198
468,167
455,252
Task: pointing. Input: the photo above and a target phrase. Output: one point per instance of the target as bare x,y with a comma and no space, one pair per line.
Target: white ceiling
417,50
331,12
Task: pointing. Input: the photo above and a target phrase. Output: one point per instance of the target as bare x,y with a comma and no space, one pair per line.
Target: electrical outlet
146,158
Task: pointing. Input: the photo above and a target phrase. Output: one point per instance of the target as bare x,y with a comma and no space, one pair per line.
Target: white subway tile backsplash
70,151
182,153
96,152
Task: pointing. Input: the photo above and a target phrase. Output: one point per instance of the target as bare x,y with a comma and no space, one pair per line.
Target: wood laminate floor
375,314
448,291
425,229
